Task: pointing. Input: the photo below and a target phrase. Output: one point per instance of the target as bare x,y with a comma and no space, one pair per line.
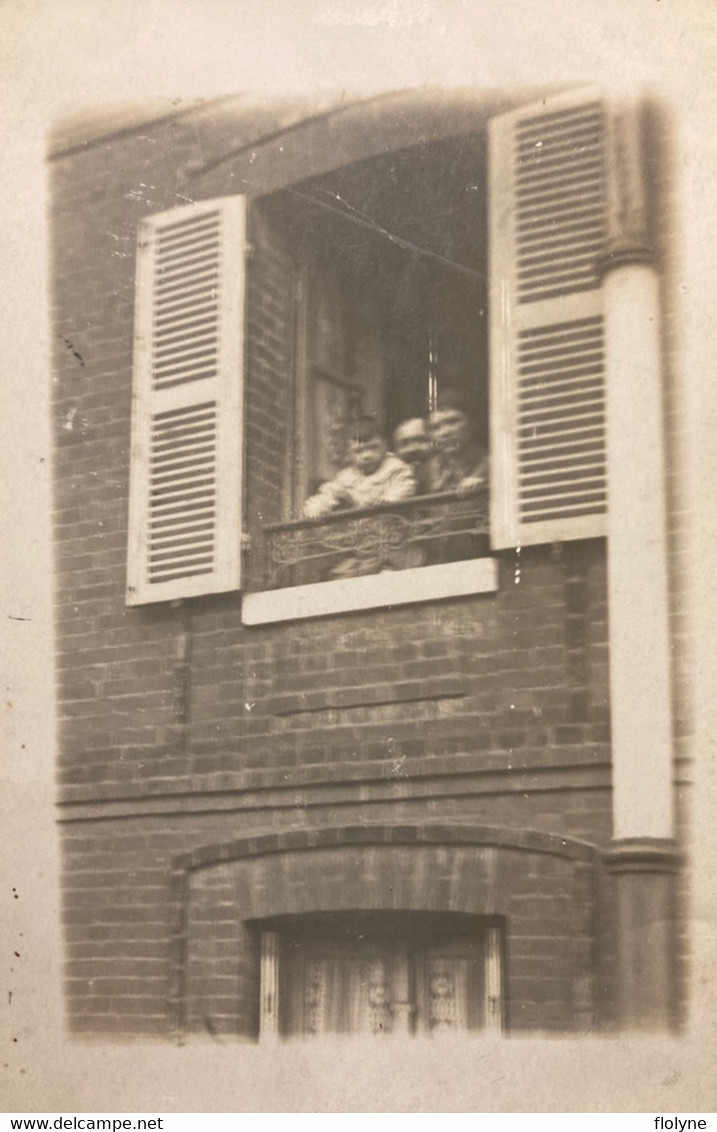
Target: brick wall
547,901
518,674
158,938
161,693
180,727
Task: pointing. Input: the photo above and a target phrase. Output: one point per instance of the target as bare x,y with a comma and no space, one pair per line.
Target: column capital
643,855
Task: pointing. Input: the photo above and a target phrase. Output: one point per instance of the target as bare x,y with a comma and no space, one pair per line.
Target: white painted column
637,546
643,859
637,558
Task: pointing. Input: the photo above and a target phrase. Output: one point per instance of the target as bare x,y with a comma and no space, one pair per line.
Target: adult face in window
450,431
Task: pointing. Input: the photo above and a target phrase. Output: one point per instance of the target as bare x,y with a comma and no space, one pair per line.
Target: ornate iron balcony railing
420,531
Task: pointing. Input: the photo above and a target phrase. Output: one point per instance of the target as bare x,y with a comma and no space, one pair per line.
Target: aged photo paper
358,471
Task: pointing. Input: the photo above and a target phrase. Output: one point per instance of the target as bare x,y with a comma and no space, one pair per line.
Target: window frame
423,583
406,956
374,591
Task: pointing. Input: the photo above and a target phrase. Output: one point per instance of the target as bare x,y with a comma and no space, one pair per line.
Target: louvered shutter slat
185,505
547,195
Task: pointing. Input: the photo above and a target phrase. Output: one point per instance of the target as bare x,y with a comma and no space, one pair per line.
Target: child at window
412,444
372,476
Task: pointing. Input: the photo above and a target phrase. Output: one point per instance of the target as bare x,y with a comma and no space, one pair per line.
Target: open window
466,263
389,257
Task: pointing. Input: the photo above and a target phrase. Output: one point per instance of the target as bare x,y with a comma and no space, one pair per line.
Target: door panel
449,991
337,988
383,982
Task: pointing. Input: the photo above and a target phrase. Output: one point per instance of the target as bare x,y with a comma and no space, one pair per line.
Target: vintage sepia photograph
378,424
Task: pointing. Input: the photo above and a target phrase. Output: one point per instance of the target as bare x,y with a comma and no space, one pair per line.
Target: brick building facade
403,800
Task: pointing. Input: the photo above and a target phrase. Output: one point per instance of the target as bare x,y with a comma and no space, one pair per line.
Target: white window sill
347,595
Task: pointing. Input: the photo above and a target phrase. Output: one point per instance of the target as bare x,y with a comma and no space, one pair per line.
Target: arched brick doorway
522,900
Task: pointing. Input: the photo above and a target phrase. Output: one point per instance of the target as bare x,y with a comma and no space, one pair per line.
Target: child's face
367,455
411,442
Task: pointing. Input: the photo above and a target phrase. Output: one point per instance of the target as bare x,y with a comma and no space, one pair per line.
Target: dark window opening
391,316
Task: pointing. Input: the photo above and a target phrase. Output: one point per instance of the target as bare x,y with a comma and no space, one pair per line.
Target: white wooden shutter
186,464
547,230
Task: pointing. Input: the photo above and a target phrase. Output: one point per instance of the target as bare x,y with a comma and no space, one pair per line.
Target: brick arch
318,143
327,837
543,886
